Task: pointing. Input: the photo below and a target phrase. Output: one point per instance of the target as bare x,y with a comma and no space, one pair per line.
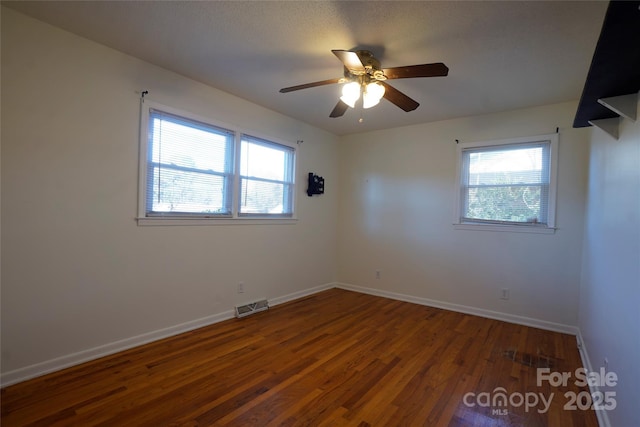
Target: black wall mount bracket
316,184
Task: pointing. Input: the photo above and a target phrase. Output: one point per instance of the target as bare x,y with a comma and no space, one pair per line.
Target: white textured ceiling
501,55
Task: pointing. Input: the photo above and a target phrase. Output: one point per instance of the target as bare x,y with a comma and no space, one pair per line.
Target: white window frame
549,227
235,218
289,176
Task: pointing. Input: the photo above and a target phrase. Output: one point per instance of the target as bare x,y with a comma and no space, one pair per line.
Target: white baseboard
46,367
603,416
73,359
506,317
300,294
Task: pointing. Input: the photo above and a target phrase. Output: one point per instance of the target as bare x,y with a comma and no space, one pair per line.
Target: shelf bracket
610,126
624,105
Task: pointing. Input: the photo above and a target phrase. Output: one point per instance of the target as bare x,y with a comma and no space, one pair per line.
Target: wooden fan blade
398,98
437,69
339,109
308,85
351,60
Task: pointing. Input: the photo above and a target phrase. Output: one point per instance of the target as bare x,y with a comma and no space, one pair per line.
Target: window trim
196,219
548,228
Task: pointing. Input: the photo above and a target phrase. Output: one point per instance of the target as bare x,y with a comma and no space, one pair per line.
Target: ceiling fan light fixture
373,93
361,69
379,75
350,93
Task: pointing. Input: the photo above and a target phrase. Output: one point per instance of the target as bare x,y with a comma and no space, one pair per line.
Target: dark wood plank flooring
336,358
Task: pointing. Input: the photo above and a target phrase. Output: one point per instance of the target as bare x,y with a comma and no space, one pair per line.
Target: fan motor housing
368,60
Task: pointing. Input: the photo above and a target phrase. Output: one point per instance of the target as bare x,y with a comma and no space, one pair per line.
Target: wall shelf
611,89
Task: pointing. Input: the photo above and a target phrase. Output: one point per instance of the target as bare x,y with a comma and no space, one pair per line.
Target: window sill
164,221
536,229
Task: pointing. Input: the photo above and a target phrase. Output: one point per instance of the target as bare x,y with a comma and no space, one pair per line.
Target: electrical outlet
241,287
377,274
504,294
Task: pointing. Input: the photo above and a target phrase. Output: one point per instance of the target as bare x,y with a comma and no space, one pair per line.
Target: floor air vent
254,307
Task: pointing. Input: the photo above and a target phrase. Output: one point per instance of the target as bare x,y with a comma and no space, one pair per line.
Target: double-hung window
189,167
508,184
266,178
192,169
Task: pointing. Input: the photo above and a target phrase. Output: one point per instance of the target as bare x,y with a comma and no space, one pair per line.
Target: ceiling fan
364,76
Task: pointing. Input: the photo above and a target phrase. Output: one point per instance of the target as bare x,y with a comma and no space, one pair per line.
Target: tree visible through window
193,169
507,182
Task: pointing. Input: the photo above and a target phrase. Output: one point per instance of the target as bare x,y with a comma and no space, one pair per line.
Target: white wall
396,214
77,272
610,291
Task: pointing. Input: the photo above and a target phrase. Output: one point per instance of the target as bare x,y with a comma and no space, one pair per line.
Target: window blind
189,167
506,184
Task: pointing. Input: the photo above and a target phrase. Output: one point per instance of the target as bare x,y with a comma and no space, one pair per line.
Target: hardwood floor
336,358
